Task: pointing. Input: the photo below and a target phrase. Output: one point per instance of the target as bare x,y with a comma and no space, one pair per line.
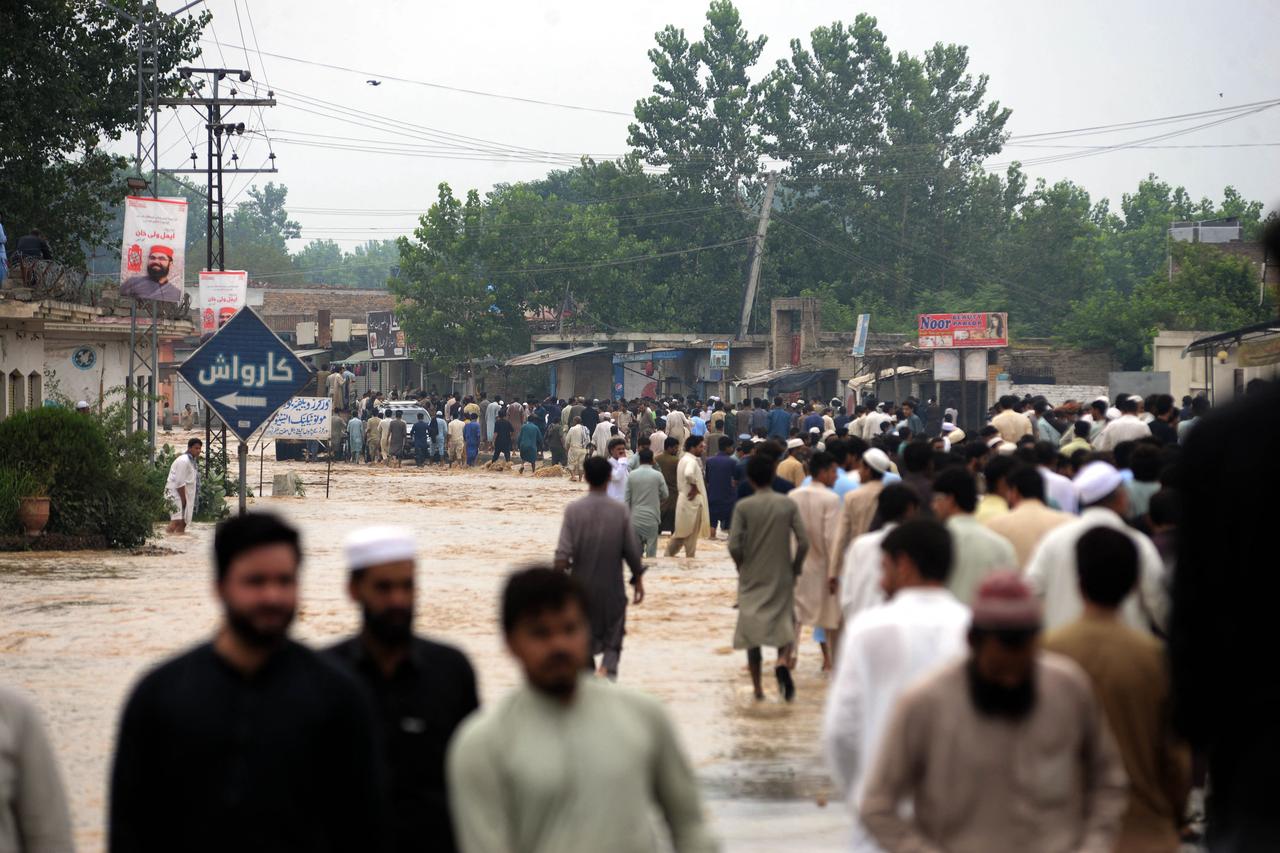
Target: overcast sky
1057,65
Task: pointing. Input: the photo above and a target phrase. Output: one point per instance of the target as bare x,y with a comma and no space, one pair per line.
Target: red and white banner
153,251
222,294
945,331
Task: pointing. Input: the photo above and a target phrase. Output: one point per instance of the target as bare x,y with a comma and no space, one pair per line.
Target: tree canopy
68,81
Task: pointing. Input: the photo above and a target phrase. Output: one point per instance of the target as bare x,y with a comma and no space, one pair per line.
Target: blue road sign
245,372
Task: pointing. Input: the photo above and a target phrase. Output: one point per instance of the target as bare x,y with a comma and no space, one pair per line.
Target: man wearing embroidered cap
1052,570
155,284
859,505
1003,749
421,690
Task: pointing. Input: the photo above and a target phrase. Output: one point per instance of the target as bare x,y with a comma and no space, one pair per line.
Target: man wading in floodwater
182,487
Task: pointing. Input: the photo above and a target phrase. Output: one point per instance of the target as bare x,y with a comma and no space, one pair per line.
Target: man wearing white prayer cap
1052,573
421,690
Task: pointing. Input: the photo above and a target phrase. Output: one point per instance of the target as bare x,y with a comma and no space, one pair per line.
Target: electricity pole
757,254
140,391
218,129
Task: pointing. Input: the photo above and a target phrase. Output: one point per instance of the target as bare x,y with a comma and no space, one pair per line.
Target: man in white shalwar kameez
885,649
860,576
817,599
693,515
181,487
1051,573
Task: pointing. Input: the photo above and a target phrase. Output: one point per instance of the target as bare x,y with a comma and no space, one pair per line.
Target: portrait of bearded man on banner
155,284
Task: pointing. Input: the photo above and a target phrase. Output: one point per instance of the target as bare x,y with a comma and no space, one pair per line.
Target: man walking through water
760,544
565,763
183,486
596,538
692,519
250,742
421,690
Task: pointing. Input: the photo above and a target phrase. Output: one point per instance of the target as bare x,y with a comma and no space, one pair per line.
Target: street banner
302,418
719,355
386,338
222,294
860,336
153,250
947,331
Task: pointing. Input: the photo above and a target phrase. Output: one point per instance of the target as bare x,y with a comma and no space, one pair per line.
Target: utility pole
140,391
217,130
757,254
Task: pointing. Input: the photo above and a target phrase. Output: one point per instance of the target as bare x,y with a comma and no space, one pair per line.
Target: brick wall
303,303
1059,394
1061,365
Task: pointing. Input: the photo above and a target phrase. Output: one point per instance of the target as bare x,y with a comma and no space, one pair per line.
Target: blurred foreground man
568,763
250,742
33,804
421,690
1005,749
888,648
1129,676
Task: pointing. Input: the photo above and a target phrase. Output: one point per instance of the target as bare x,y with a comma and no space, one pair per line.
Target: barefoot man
180,489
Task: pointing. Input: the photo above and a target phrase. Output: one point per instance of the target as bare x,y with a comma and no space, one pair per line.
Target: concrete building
797,359
1218,365
61,338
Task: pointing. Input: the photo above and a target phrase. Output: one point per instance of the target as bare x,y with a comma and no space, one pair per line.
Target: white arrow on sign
233,401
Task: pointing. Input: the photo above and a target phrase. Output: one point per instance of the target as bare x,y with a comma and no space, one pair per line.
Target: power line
382,76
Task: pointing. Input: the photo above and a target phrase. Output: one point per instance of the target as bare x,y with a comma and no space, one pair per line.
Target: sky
1056,65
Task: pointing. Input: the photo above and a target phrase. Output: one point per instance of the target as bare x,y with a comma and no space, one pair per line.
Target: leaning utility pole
757,254
218,130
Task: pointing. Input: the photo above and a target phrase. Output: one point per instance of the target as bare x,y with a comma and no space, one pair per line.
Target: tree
319,261
255,234
450,313
1209,290
701,120
70,79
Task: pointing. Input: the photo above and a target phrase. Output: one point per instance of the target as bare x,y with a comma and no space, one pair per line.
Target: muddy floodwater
77,629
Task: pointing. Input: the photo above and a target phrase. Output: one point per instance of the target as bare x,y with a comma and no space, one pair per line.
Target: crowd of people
1031,636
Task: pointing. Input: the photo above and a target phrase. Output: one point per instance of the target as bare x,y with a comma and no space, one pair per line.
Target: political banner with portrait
222,294
386,338
302,418
153,251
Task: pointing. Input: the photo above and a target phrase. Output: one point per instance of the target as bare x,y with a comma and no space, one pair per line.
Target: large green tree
68,81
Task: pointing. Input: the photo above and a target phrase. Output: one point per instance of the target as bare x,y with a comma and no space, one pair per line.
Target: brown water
77,629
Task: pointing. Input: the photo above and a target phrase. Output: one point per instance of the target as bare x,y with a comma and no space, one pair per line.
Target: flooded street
77,629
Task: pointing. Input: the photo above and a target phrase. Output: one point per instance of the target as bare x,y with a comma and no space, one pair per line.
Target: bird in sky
374,82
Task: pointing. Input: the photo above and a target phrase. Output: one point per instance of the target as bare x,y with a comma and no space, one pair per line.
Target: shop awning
364,355
888,373
551,354
308,353
1235,336
784,379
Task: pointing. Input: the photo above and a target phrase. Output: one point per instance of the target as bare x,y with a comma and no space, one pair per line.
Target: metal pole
262,452
133,348
963,408
244,465
154,378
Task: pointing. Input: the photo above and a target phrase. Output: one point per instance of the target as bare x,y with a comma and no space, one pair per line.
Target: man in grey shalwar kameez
760,544
596,537
645,490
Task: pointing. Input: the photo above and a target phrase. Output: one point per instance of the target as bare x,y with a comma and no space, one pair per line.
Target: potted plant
33,506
